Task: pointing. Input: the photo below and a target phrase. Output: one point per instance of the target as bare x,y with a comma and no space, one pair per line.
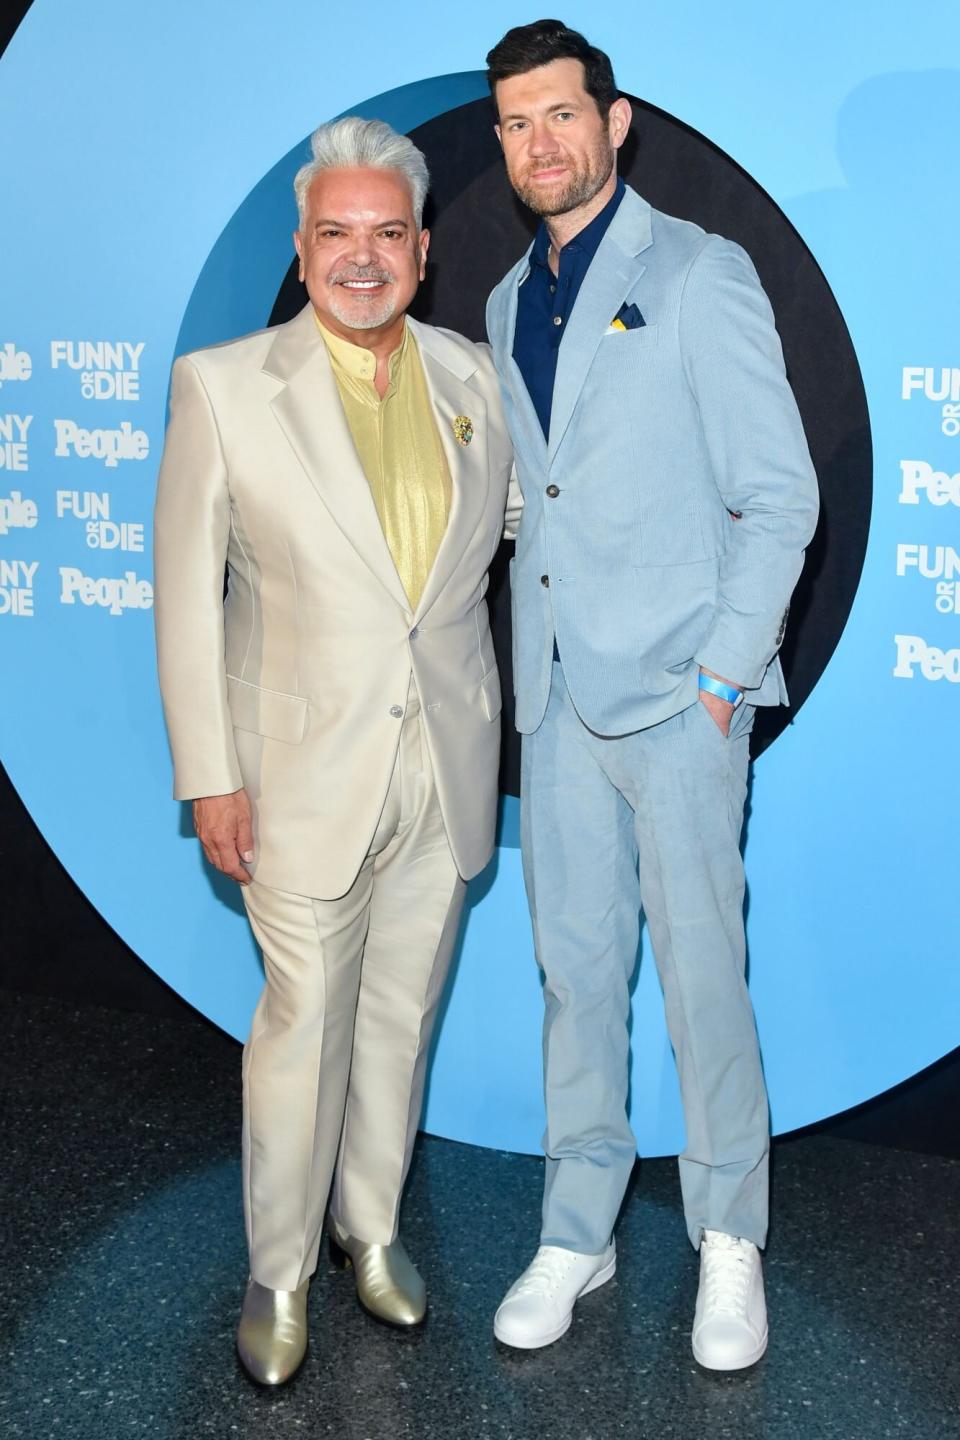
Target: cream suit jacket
295,685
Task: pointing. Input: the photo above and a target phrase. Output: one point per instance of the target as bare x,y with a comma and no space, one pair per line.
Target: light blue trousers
650,820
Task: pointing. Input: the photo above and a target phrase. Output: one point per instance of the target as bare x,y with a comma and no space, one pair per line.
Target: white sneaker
538,1307
730,1323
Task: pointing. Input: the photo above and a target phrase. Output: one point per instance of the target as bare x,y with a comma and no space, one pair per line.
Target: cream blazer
295,685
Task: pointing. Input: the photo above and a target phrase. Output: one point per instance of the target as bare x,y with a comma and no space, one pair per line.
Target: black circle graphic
479,229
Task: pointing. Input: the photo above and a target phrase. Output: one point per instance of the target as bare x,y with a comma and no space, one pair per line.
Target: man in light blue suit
668,499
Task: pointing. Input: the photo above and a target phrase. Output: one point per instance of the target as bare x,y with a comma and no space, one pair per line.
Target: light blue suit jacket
659,436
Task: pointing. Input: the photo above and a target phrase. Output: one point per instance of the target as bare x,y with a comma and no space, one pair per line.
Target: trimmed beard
579,189
372,318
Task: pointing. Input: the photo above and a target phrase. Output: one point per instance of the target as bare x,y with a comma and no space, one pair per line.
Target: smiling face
559,151
361,253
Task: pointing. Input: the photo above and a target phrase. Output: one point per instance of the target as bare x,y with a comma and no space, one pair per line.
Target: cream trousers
333,1072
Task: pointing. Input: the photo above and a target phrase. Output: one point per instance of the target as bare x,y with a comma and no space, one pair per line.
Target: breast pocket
639,338
625,364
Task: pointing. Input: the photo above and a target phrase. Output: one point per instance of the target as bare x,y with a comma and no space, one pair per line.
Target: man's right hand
225,828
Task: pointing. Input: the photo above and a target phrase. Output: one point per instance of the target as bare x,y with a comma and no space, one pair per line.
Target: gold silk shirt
400,451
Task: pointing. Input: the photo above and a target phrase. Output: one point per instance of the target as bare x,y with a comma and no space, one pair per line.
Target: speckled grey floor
123,1266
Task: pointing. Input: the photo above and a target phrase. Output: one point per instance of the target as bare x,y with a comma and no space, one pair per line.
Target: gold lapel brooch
463,429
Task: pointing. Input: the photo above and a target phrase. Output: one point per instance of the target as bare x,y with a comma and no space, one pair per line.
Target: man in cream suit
669,497
335,719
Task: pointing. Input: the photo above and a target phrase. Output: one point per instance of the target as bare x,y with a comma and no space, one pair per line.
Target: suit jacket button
396,711
414,633
545,580
553,491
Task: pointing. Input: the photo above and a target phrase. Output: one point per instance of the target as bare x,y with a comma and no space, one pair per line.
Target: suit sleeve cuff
735,668
198,785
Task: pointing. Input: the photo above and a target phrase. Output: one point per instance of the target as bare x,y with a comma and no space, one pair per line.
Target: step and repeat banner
146,182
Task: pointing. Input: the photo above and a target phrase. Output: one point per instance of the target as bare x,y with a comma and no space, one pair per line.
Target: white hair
353,143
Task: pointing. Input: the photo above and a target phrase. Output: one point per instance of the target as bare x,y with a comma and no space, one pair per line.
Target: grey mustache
364,272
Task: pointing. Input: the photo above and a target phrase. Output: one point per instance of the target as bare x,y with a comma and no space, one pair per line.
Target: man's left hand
721,711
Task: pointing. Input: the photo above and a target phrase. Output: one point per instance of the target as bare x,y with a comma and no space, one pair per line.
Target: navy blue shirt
545,303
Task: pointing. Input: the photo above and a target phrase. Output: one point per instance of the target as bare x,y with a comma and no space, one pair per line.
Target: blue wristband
730,693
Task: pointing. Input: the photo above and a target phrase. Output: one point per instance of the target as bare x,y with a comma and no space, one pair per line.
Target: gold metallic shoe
272,1334
388,1283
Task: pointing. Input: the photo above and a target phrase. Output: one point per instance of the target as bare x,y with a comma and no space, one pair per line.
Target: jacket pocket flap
267,712
490,693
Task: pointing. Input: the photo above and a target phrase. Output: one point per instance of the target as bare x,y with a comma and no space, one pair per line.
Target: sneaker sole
548,1337
742,1364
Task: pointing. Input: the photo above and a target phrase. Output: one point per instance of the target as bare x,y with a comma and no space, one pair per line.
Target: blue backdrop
142,143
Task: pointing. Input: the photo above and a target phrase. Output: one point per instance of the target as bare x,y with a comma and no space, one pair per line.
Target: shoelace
544,1274
727,1266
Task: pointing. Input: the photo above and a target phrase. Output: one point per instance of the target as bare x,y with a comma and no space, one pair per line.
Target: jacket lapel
310,413
613,273
447,368
503,325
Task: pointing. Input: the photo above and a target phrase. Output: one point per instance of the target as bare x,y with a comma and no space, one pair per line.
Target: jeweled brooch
463,429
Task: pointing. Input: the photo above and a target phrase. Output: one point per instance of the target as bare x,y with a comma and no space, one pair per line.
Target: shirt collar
541,247
587,240
354,359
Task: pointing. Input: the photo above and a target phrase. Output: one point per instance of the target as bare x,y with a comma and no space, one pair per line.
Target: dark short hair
526,47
